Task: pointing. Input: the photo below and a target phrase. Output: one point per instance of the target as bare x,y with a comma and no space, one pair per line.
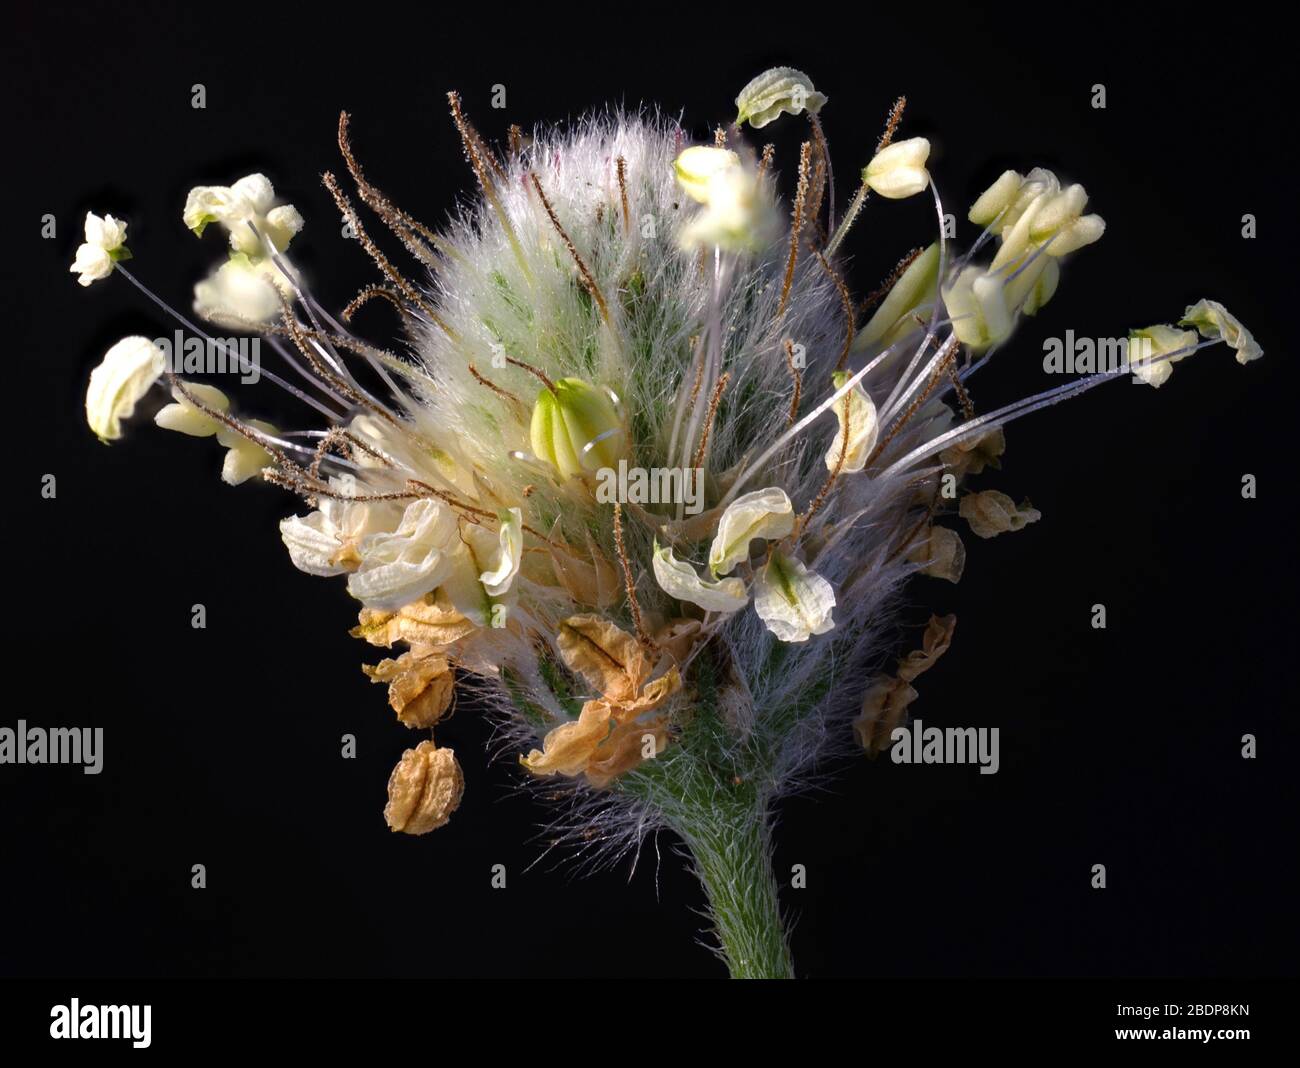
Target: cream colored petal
400,567
91,263
765,513
504,565
313,543
855,411
125,374
794,602
1213,320
679,579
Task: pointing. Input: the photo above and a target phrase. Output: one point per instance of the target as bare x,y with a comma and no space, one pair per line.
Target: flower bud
996,199
913,294
898,170
776,91
977,304
698,165
576,429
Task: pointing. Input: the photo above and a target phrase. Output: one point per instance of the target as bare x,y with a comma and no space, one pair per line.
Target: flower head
126,373
102,248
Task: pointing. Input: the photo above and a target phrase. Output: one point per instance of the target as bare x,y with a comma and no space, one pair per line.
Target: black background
1119,747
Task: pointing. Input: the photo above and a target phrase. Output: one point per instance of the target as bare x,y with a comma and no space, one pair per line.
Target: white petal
678,579
857,408
125,374
403,566
92,263
282,224
794,602
765,513
239,291
313,543
508,553
257,191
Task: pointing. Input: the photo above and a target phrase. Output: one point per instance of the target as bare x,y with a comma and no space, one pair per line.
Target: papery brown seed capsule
424,789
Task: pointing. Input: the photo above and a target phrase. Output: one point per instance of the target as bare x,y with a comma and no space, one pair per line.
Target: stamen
370,293
846,300
470,140
824,150
517,404
864,190
635,608
532,371
587,279
621,166
796,226
891,280
714,401
381,261
798,382
408,229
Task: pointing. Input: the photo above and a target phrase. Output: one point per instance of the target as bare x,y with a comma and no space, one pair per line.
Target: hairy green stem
731,845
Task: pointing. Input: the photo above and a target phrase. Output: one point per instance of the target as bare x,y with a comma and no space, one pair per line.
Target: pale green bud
576,429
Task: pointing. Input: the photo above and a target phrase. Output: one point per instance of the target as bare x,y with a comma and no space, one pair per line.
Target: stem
732,848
